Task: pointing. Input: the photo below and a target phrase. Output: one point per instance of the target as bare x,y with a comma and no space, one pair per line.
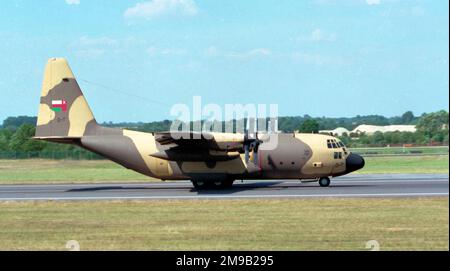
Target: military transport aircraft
212,160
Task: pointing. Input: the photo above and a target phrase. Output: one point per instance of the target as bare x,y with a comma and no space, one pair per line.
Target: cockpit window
340,144
337,155
334,144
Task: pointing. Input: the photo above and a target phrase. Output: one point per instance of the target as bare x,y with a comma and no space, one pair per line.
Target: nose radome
354,162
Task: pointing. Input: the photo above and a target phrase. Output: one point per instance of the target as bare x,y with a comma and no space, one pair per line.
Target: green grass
406,164
299,224
98,171
67,171
401,150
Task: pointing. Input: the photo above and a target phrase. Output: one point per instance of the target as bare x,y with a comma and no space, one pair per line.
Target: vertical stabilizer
63,110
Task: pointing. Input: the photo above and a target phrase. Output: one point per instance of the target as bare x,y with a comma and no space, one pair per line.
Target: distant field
69,171
401,150
295,224
406,164
89,171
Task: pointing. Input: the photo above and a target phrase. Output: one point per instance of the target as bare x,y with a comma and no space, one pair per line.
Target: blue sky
319,57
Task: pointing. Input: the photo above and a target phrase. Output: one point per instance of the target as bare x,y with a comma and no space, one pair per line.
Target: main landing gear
223,184
324,181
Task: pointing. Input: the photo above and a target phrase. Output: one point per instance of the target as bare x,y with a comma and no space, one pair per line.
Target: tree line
16,132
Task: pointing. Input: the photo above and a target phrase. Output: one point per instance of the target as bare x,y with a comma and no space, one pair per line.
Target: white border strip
230,196
238,182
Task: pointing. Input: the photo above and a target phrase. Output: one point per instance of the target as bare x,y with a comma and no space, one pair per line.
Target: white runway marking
238,182
231,196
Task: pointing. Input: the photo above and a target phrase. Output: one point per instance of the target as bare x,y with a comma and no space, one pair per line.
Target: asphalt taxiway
356,185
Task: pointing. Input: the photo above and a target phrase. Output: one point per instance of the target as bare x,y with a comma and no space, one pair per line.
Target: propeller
251,142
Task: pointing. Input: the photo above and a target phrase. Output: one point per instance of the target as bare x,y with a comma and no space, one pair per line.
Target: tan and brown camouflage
219,158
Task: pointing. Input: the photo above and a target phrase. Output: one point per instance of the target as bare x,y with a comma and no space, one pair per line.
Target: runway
364,185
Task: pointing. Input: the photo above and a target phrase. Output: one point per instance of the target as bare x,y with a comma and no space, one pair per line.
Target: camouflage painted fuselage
296,156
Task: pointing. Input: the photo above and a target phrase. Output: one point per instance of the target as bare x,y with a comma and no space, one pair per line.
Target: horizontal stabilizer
59,139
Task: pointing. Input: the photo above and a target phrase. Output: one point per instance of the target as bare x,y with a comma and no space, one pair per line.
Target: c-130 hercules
214,160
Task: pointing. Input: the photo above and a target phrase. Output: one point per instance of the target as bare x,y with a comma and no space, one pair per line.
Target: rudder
63,110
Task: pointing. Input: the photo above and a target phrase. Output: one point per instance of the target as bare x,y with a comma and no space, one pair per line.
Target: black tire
198,184
222,184
227,183
324,181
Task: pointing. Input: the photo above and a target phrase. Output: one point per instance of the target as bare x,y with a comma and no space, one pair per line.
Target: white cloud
417,11
89,53
87,47
315,59
318,35
319,59
151,51
154,51
258,52
156,8
349,2
73,2
212,51
101,41
373,2
173,52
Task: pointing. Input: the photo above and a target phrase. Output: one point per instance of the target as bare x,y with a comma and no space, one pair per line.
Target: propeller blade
247,155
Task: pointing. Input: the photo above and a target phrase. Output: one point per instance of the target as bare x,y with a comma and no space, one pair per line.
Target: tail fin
63,110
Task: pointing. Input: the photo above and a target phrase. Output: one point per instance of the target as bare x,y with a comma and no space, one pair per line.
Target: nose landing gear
324,181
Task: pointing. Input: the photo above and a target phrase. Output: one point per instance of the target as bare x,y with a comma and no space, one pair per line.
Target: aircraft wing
202,140
206,146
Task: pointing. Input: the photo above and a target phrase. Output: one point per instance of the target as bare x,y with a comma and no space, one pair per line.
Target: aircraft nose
354,162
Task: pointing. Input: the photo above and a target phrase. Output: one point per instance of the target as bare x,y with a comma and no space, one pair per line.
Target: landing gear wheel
324,181
199,184
227,183
223,184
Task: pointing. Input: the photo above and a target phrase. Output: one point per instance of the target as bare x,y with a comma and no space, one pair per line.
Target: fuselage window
336,155
340,155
